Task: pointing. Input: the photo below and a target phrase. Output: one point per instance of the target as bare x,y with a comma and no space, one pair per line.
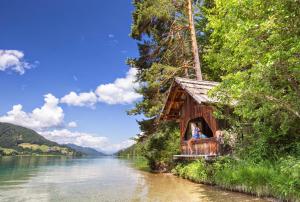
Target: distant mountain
19,140
85,150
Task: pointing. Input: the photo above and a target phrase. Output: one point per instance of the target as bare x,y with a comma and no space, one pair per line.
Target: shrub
287,183
160,148
194,171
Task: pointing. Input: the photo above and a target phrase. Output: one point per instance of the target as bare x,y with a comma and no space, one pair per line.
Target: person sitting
196,135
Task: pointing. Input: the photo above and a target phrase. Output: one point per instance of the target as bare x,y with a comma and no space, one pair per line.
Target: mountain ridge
19,140
85,150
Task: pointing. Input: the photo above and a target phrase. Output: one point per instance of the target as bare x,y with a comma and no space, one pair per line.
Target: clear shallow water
97,179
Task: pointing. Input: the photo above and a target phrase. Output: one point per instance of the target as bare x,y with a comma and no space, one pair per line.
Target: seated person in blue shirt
196,135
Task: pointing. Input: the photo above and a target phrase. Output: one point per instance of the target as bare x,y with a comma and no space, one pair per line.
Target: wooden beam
173,96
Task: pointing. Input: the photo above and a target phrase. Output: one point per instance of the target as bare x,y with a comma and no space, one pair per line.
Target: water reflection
96,179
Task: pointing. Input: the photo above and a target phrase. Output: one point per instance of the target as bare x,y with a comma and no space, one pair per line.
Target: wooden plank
206,146
193,157
170,103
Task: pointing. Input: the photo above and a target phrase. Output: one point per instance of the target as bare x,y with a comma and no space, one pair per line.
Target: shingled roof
198,90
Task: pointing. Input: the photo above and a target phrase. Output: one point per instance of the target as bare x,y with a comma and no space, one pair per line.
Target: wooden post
197,65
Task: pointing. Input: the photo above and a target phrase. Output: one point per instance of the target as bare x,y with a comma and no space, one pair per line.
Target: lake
97,179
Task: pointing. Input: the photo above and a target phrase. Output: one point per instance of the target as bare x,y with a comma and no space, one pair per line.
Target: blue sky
61,46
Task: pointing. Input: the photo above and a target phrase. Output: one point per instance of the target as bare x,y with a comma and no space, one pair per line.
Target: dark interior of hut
202,124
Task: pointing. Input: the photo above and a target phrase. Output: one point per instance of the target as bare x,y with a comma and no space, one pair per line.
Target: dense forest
252,48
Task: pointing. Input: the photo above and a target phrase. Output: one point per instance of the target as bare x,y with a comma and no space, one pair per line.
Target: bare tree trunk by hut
197,65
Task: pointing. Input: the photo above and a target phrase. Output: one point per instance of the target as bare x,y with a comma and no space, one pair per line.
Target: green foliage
164,43
160,148
256,46
287,183
279,179
195,171
7,152
157,149
160,28
140,163
132,151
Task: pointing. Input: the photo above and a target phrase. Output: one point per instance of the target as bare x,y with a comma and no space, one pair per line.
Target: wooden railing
204,146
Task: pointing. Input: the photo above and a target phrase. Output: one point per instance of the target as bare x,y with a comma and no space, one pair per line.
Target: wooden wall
191,110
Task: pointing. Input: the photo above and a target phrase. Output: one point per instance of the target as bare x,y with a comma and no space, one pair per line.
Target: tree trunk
197,65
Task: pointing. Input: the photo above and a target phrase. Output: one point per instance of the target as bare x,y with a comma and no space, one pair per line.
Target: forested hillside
11,135
18,140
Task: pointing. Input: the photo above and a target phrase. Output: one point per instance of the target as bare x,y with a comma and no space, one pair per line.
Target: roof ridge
180,79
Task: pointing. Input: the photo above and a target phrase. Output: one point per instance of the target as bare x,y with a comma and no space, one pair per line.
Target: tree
256,46
195,50
163,30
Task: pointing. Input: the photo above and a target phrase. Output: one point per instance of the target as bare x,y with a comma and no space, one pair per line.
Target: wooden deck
193,157
205,146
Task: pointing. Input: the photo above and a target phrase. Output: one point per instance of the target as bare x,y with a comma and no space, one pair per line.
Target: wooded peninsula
229,70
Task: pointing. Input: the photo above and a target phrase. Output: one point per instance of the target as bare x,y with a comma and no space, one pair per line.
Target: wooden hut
188,102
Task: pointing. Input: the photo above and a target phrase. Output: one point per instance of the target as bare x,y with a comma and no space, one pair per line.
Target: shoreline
269,198
217,186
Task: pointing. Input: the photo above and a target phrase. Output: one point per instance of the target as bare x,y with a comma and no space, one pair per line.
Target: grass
44,148
34,147
141,164
138,162
7,151
278,179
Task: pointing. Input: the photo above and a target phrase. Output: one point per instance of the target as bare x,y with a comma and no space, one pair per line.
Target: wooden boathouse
188,102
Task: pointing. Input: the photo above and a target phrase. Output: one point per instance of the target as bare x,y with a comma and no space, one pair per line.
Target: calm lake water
97,179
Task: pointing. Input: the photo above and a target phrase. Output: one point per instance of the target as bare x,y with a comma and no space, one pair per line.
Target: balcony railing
203,146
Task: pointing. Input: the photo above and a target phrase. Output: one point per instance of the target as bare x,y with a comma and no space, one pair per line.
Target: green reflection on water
18,169
97,179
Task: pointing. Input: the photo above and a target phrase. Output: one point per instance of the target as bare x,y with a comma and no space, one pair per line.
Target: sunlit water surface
97,179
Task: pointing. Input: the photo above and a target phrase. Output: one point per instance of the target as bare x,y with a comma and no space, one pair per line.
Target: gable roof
198,90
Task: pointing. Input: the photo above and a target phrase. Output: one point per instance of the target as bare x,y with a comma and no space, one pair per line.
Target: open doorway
203,125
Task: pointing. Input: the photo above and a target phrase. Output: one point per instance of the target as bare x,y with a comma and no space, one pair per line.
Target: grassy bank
138,162
280,180
141,163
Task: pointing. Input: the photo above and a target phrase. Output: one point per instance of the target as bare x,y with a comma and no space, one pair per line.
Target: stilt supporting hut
187,103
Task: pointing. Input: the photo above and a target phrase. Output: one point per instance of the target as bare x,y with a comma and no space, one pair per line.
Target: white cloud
111,36
72,124
121,91
81,99
49,115
13,60
99,143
